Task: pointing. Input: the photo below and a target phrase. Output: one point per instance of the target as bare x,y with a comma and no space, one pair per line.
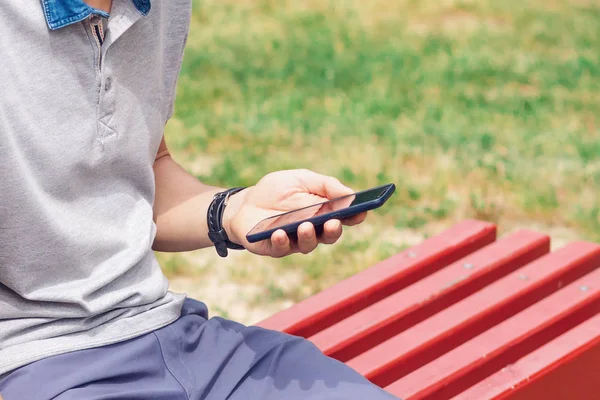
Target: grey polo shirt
82,111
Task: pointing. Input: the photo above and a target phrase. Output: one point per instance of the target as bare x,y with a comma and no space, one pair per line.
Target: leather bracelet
214,218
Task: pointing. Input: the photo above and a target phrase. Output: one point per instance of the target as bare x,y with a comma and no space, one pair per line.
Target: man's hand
280,192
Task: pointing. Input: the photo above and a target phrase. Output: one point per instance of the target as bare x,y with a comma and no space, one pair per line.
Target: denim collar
61,13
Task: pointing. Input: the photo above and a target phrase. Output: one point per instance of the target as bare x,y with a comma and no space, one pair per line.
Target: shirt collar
61,13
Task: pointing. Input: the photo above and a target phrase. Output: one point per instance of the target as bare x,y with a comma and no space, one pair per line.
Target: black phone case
319,222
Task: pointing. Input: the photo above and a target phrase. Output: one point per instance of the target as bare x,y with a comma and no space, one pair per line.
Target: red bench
466,316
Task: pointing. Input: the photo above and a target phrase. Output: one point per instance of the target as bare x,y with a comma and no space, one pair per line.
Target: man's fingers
332,230
280,244
307,238
356,219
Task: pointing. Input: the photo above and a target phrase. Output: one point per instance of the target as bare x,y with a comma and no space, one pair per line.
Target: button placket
123,16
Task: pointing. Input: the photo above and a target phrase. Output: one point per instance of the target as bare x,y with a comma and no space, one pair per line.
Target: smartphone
339,208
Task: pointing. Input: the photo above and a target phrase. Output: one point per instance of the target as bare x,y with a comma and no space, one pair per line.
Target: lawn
475,109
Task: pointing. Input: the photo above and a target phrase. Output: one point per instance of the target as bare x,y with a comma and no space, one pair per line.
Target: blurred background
486,109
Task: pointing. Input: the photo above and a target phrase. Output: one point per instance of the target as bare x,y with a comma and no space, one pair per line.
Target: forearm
180,207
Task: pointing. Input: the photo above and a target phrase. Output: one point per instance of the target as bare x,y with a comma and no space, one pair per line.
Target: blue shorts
193,358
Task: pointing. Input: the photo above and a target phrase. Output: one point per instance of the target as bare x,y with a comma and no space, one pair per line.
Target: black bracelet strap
214,217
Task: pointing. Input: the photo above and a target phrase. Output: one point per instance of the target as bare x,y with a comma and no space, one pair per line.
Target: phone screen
318,209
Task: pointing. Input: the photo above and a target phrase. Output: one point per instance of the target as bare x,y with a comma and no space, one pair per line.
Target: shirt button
107,84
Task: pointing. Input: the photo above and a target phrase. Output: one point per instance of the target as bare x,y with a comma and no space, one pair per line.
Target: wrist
214,218
234,203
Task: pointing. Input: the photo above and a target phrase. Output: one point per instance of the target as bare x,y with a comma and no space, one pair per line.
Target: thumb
322,185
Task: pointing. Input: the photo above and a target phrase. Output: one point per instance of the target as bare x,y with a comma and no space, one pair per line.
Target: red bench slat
565,368
388,317
503,344
420,344
385,278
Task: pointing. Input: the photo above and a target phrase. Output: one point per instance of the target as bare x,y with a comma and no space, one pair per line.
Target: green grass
481,109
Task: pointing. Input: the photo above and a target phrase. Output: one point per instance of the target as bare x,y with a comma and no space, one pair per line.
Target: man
88,189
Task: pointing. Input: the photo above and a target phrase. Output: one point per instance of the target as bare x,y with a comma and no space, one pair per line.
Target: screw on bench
584,288
412,254
468,266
